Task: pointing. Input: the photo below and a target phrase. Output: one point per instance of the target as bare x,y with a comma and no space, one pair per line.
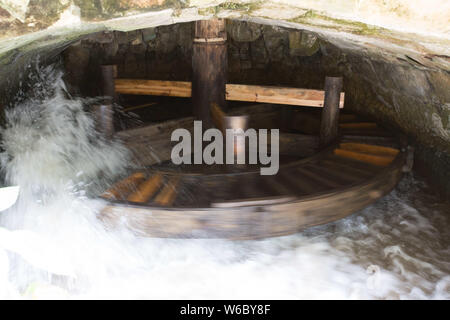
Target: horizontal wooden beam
277,95
234,92
154,87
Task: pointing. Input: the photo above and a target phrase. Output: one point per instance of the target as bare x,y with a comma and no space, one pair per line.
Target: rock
148,34
259,53
440,83
16,8
101,37
140,4
128,37
185,36
242,31
111,49
76,60
137,40
275,40
302,43
276,11
69,17
88,8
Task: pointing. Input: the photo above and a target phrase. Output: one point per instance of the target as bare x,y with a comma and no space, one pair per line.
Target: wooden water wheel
311,187
337,168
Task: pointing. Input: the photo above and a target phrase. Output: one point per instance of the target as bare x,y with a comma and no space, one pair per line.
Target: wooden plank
369,148
168,193
154,87
278,95
368,158
318,177
365,168
363,133
347,167
192,192
275,186
374,140
252,202
334,173
122,188
358,125
234,92
296,182
146,189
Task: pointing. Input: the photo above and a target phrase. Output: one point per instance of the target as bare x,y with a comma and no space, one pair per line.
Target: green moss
111,6
90,8
106,9
233,6
46,10
312,18
207,11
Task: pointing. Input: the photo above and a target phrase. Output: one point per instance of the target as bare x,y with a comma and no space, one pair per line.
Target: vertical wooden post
330,114
104,113
109,73
237,122
209,68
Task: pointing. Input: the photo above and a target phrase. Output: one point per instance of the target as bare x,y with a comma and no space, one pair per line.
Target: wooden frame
234,92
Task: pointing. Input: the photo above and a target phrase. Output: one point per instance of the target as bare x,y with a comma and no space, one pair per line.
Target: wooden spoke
360,134
252,187
358,125
192,192
349,168
121,189
275,186
319,178
153,87
334,173
369,149
374,140
146,189
168,193
364,157
296,181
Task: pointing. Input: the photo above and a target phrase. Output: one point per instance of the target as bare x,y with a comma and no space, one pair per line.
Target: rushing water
52,245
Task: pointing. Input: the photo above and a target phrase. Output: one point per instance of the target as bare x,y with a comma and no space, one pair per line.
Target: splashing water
52,245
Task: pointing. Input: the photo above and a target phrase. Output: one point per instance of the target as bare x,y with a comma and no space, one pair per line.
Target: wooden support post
330,113
109,74
209,68
237,122
104,113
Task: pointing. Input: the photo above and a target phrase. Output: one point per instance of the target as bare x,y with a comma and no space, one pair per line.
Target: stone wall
257,54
